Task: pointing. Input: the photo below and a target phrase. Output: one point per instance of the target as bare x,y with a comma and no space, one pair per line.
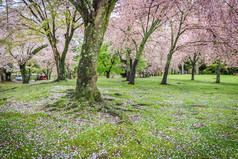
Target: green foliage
233,70
141,65
211,69
108,62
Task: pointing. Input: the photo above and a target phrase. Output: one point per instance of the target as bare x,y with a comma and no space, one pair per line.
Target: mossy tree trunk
95,17
87,68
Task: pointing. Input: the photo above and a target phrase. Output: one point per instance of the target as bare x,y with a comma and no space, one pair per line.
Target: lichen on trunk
87,69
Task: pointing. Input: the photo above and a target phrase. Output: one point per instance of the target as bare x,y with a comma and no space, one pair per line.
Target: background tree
108,62
22,53
44,60
220,22
182,21
57,20
149,16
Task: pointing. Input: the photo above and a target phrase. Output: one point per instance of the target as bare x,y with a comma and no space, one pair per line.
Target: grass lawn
184,119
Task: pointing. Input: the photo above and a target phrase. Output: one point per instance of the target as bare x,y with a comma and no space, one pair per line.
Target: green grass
184,119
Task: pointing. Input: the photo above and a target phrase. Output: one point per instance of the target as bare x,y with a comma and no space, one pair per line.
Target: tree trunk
2,74
29,75
61,73
193,71
2,77
133,72
23,74
70,74
49,73
95,25
8,76
166,69
128,65
182,68
108,74
87,68
218,72
59,61
197,69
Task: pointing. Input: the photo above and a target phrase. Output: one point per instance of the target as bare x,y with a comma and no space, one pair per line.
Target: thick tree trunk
95,25
87,68
193,71
23,74
61,75
133,72
218,72
166,69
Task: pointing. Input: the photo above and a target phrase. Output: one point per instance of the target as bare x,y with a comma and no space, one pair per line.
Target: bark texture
133,72
95,19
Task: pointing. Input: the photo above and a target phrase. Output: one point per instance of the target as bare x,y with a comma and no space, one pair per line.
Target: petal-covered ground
184,119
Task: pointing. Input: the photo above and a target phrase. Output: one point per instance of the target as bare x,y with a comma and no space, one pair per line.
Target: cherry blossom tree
179,24
148,17
95,16
220,21
22,53
45,61
120,38
57,20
